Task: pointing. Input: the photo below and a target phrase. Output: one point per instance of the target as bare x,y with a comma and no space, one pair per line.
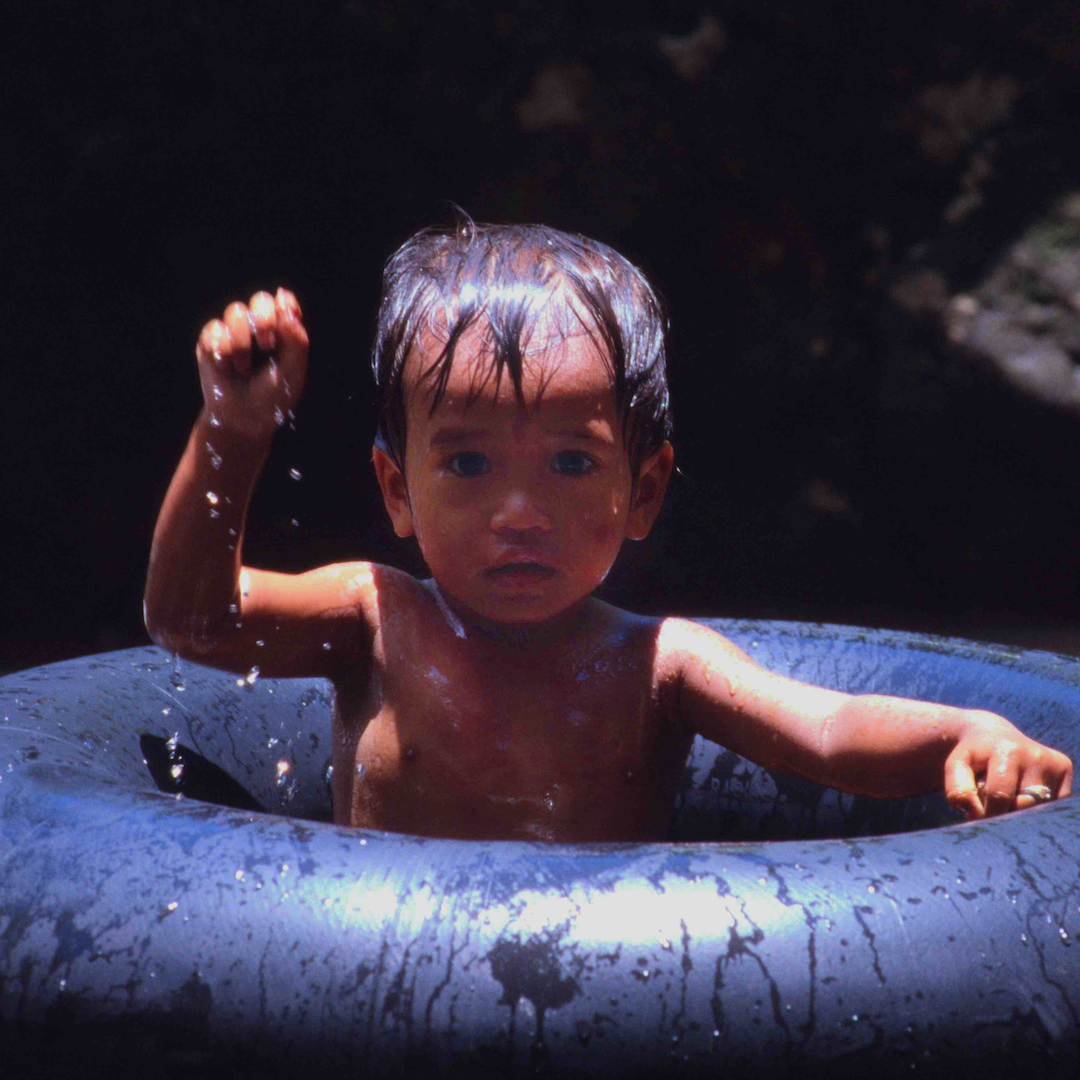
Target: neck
464,622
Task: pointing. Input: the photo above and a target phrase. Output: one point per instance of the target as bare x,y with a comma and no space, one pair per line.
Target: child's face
519,510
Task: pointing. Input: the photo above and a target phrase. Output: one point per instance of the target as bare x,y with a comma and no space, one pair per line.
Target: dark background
816,188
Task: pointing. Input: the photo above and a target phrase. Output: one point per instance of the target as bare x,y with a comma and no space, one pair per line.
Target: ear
649,490
394,491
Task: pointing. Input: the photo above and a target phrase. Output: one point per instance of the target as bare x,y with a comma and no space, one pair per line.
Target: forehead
562,366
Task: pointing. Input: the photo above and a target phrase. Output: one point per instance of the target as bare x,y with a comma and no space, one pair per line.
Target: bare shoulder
685,647
321,622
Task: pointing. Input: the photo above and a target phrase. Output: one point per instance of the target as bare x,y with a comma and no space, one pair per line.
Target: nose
517,511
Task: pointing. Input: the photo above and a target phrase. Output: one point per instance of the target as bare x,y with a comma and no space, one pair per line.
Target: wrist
248,441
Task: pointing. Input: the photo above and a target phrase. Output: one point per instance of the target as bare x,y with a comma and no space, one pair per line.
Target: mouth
518,574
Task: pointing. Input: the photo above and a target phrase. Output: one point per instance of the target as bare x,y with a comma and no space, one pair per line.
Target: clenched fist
245,394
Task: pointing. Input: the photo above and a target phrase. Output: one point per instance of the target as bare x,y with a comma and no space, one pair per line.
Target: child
523,434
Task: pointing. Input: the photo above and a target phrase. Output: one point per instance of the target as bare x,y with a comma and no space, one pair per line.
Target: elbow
191,637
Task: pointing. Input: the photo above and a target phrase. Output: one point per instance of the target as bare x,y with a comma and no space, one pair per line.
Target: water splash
175,676
444,609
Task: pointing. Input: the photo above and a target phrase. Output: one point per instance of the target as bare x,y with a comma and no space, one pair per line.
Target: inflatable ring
174,900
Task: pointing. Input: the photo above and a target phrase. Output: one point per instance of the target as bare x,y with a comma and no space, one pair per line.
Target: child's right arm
200,602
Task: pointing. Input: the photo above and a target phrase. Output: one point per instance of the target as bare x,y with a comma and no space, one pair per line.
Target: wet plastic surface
810,934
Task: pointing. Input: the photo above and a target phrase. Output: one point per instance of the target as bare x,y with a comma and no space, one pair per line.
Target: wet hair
503,277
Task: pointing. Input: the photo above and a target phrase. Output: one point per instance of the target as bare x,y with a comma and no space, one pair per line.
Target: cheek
606,520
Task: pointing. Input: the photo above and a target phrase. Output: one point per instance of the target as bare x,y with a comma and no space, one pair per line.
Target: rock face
1023,318
864,220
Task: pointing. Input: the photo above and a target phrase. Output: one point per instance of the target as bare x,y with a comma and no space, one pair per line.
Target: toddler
523,436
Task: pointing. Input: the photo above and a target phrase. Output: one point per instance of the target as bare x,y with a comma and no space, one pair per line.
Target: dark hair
445,279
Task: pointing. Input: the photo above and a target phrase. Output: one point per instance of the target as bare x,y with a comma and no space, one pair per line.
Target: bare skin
500,698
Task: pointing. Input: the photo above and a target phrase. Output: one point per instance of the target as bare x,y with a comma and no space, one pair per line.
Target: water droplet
1024,938
295,523
239,875
716,1033
1064,935
166,711
285,868
272,742
282,772
279,416
359,769
295,473
233,609
215,513
855,1016
871,888
217,392
214,421
170,744
63,983
212,499
215,457
260,643
252,675
177,770
326,645
328,775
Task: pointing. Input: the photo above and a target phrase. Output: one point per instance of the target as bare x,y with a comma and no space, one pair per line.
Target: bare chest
549,744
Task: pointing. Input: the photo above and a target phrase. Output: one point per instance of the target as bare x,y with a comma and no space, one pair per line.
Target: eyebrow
584,435
454,436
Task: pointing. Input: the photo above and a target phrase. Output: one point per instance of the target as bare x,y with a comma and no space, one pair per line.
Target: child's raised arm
867,744
200,602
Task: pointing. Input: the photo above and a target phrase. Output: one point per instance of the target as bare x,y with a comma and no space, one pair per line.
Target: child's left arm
866,744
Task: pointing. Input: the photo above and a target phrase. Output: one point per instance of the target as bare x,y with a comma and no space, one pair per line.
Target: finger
288,304
1002,779
293,347
961,789
214,345
236,322
264,321
1048,769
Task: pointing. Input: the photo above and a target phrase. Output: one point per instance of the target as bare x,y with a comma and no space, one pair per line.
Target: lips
519,573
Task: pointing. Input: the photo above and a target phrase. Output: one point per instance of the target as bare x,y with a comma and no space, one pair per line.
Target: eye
468,464
572,463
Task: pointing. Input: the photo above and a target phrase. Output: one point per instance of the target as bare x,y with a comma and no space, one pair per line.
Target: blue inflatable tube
174,900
